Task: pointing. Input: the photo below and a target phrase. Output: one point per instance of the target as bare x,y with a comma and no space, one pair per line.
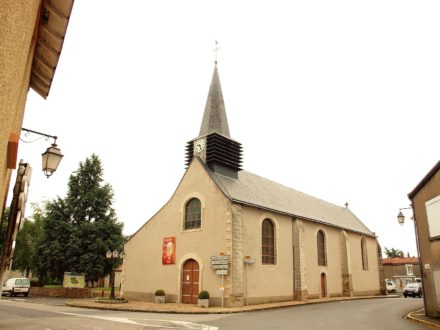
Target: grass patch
105,300
53,286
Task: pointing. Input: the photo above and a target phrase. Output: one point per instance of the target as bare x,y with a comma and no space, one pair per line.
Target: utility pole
16,216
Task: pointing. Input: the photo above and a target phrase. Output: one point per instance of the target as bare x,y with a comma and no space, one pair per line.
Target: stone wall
62,292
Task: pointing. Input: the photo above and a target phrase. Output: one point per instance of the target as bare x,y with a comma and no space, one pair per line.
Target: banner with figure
169,251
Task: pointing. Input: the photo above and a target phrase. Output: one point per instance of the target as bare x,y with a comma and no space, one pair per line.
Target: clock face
199,145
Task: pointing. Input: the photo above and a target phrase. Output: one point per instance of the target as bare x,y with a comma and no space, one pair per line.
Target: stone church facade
243,238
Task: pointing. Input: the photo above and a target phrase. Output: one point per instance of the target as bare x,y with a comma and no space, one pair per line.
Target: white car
391,286
15,286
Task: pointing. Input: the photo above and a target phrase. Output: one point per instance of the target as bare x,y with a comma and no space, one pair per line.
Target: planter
159,299
204,303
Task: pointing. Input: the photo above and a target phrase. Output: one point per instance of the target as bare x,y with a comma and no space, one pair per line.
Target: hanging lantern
51,159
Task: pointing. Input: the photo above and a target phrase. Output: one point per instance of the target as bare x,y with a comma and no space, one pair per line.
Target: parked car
413,289
391,286
15,286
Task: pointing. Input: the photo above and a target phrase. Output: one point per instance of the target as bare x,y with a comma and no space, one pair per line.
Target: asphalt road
49,314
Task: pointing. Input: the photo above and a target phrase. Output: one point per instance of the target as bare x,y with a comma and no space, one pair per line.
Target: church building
243,238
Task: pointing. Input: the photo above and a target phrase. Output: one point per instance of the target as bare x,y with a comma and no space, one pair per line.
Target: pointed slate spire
214,146
214,118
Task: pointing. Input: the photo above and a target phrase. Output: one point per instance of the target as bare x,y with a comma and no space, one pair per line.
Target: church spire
214,146
214,118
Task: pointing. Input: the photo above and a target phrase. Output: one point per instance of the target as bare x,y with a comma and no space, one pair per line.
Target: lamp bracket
28,131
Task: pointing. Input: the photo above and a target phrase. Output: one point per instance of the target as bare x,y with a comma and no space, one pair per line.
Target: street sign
222,272
215,267
219,258
219,262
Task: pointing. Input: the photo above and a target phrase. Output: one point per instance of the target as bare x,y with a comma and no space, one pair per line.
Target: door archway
190,282
323,285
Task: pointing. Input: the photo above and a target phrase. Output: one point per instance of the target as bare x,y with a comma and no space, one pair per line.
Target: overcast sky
337,99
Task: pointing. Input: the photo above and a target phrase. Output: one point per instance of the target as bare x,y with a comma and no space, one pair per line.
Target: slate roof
257,191
214,118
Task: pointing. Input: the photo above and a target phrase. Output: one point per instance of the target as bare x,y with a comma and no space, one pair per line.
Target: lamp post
401,216
113,257
51,158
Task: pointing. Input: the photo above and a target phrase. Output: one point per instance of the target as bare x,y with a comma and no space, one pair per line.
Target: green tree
393,253
53,253
78,230
5,219
27,241
89,204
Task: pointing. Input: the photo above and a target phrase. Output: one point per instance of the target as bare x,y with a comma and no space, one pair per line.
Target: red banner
169,251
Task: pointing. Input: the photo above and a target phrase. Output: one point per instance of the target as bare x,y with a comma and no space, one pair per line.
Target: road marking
155,323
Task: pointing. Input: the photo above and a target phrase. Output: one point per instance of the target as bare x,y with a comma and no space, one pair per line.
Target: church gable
196,186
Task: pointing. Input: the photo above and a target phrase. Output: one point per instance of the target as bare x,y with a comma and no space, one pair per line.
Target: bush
159,293
203,294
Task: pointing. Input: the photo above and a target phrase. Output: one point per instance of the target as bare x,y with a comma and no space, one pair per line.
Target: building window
409,270
364,254
322,253
193,212
268,242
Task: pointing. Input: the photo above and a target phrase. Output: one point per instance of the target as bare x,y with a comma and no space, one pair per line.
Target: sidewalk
420,317
175,308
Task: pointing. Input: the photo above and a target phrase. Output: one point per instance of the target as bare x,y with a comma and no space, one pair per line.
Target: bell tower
214,145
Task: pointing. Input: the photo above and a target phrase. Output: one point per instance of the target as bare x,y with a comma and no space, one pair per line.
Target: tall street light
113,257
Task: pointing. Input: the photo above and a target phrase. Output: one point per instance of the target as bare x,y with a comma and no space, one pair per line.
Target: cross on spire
216,50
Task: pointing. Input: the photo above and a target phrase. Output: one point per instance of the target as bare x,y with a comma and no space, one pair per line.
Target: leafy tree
3,227
27,242
82,227
54,251
393,253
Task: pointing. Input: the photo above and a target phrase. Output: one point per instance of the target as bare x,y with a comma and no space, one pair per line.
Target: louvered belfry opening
189,153
219,150
223,151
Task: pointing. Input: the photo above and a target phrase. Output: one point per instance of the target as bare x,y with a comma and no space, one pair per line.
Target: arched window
193,212
268,242
364,253
322,253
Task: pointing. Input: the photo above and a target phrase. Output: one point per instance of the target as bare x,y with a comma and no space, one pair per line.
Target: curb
232,310
415,319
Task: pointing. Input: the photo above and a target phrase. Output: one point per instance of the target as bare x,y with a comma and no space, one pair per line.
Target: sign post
221,265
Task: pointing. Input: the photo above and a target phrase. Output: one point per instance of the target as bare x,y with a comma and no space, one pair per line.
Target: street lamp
113,256
51,158
401,216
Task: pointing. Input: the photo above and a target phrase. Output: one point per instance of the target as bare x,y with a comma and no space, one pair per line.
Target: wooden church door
323,286
190,282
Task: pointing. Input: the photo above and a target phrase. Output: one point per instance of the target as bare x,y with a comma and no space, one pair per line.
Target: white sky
338,99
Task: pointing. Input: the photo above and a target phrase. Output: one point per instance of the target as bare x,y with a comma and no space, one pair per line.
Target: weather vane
216,50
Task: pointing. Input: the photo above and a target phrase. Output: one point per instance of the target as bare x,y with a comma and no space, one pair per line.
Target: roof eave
51,30
422,183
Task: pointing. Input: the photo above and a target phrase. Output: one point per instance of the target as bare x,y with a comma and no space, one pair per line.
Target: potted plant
159,296
203,300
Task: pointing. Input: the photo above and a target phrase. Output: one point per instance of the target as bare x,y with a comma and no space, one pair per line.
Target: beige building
425,199
31,39
243,238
